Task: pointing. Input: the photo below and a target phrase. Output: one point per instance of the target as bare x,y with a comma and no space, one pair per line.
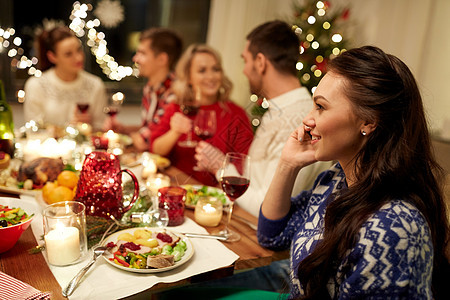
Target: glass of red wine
83,107
234,179
189,109
116,102
205,124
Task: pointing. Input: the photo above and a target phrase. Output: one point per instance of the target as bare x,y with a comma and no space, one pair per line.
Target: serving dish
195,191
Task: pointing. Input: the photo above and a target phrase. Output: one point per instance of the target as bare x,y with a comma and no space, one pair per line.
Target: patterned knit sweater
392,258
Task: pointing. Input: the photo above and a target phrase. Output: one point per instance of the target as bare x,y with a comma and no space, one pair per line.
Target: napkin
14,289
104,281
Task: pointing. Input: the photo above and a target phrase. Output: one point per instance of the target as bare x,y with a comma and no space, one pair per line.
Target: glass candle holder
65,232
208,211
171,198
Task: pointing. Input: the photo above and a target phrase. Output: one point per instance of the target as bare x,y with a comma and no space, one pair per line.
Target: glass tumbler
65,232
171,198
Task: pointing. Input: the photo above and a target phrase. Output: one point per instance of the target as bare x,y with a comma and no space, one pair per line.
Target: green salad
194,193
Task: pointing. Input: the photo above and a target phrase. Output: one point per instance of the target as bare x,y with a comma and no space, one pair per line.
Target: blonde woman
202,85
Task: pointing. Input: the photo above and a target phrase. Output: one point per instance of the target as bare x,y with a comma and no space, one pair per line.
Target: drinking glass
234,179
83,107
189,109
205,124
116,102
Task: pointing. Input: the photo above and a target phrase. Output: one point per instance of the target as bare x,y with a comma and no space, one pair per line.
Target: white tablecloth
104,281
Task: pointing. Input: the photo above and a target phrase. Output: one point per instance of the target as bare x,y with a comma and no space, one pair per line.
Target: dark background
187,17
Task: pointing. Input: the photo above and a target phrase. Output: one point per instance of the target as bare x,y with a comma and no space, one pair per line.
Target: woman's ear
52,57
368,127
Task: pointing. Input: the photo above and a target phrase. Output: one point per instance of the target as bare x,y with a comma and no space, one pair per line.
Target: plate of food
194,192
135,159
148,249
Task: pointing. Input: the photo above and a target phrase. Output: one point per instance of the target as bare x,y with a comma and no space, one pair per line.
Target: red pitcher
100,185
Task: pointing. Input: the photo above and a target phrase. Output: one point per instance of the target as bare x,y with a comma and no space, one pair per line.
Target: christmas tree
320,29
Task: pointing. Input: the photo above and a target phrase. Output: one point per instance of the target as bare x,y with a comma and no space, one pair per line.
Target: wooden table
34,270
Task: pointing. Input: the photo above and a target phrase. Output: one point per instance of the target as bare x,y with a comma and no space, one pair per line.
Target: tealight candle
62,245
157,181
208,211
149,168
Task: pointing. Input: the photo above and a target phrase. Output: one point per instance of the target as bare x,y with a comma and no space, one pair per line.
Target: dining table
34,270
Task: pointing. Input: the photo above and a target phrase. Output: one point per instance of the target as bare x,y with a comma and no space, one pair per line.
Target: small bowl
11,234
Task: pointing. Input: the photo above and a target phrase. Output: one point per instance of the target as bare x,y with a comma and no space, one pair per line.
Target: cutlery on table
207,236
250,224
98,251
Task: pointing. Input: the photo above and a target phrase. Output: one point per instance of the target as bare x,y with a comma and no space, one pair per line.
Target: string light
82,27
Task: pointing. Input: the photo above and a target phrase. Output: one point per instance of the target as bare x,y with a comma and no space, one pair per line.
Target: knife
207,236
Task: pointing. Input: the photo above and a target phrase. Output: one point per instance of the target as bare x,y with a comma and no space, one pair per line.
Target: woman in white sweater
53,97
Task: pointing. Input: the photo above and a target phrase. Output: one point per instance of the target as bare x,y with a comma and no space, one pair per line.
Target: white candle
62,245
207,215
155,182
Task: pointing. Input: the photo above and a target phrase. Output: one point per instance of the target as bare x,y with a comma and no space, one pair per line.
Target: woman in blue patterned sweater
373,226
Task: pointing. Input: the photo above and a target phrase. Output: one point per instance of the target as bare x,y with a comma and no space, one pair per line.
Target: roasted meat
41,170
160,261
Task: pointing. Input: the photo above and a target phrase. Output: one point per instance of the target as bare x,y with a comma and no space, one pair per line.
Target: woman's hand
209,158
298,151
179,123
79,117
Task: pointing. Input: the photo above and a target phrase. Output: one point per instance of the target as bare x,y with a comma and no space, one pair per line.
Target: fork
98,251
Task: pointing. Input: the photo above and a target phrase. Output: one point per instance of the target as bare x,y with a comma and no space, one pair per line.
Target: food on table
12,216
41,170
194,193
62,189
147,249
160,261
4,160
68,179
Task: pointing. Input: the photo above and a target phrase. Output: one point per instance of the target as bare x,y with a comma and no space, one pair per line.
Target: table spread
34,270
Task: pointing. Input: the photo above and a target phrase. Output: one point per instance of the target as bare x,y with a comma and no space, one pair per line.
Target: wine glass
113,109
205,124
189,109
234,179
83,107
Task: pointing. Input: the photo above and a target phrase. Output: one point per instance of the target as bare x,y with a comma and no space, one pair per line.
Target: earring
363,133
198,95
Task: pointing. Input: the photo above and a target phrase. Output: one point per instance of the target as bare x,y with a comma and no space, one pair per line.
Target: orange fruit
48,187
59,194
68,179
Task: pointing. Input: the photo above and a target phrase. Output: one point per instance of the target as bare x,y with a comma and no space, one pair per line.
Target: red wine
189,110
112,111
7,146
234,186
203,134
83,107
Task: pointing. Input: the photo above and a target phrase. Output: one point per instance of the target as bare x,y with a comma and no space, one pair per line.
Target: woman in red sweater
201,83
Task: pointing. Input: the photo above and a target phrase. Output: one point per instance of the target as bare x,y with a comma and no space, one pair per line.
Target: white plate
186,257
210,188
17,191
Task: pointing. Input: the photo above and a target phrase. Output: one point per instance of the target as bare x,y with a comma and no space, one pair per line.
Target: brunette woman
65,92
373,226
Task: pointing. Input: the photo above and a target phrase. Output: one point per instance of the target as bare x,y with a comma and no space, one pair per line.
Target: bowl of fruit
13,223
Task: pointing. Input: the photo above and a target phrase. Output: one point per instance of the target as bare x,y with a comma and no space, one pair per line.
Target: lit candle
62,245
157,181
149,168
208,212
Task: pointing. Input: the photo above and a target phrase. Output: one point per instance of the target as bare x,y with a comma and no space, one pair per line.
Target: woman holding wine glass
201,85
65,92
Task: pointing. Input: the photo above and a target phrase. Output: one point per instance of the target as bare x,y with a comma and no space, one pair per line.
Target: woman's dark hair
47,42
396,162
164,40
277,41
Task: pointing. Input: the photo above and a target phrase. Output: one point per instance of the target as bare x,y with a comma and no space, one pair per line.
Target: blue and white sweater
393,256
